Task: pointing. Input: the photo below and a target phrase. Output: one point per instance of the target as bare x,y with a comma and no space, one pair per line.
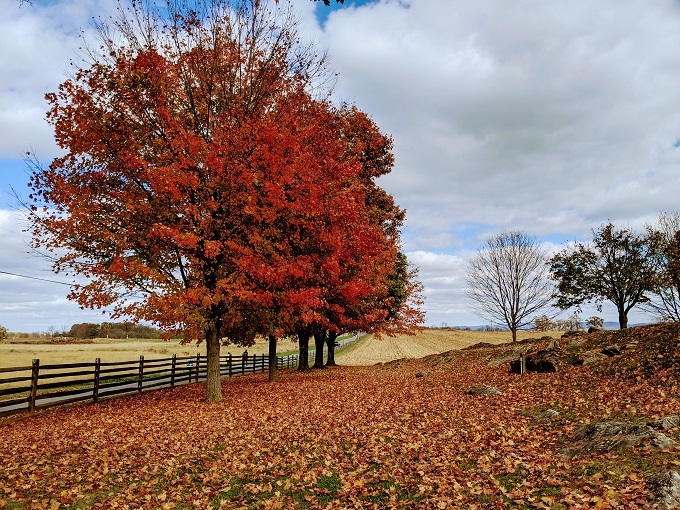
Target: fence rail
39,386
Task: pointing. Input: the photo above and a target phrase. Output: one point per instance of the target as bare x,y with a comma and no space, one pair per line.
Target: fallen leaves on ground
357,437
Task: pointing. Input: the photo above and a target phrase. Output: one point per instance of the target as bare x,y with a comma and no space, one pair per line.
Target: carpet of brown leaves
345,437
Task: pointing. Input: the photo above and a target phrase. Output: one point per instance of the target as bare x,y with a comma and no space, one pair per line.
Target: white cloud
549,117
511,114
37,44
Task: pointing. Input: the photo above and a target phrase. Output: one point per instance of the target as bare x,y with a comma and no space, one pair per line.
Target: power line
35,278
13,231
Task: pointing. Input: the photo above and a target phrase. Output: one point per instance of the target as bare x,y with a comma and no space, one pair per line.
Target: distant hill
607,325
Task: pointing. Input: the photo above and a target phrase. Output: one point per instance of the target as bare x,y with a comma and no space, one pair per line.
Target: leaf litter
348,437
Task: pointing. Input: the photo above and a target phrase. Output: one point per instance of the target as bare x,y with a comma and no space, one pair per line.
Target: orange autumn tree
390,301
320,233
199,175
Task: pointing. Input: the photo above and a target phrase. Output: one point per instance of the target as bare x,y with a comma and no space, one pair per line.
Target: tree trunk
303,344
330,342
623,319
514,334
272,359
214,383
319,340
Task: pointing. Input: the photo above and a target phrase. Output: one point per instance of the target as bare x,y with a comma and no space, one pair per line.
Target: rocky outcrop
665,489
478,345
541,361
665,423
612,350
483,390
509,355
538,415
612,436
588,357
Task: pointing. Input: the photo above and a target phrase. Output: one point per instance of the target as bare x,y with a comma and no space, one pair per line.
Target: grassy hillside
361,437
372,350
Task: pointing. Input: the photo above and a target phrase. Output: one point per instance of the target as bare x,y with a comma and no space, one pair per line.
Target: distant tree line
573,323
89,330
513,281
112,330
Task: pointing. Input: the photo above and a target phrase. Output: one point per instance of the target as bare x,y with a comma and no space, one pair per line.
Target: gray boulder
541,361
665,423
665,488
483,390
588,357
538,415
613,436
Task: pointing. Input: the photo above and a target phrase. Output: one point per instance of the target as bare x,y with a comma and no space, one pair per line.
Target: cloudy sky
549,117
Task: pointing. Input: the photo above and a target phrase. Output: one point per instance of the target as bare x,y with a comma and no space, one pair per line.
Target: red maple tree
203,189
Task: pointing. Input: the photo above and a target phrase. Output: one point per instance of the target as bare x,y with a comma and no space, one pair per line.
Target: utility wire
35,278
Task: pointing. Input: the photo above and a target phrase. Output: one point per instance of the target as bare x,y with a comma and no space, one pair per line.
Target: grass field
430,341
21,354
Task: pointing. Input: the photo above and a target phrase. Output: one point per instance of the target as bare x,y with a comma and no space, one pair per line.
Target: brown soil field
371,350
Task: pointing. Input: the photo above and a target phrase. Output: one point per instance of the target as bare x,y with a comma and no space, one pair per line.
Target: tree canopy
206,189
615,266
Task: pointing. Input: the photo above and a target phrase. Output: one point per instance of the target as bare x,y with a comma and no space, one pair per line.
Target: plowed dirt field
370,350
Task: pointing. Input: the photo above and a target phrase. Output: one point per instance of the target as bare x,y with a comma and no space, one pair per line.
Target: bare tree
665,303
508,280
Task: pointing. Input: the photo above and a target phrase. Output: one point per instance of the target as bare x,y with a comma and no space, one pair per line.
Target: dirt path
430,341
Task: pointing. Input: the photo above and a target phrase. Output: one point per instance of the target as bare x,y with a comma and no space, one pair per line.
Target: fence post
522,363
244,359
198,364
141,374
174,367
95,387
229,361
35,372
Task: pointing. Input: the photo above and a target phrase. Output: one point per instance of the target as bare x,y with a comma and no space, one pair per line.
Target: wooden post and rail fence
27,389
